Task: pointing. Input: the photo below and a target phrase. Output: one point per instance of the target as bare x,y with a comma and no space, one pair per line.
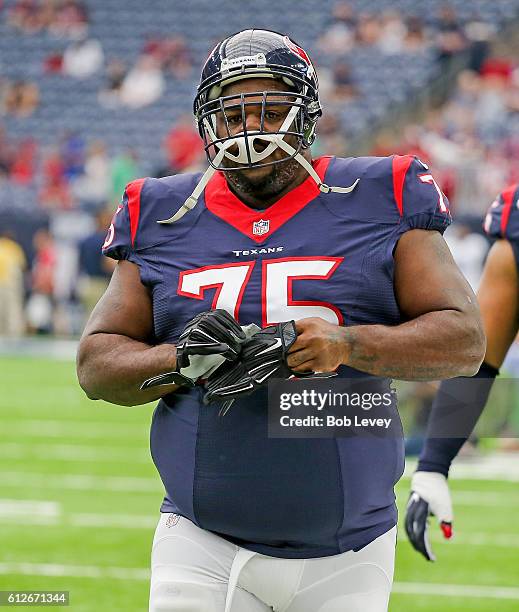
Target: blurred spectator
25,15
70,19
92,188
392,34
144,84
339,36
72,152
336,40
368,30
95,269
55,192
24,162
124,169
342,13
60,17
478,33
12,266
172,54
177,58
20,98
41,302
415,39
110,95
6,153
83,58
183,145
450,37
344,84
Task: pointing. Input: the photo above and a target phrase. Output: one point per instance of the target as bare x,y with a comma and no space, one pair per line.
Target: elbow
473,344
83,374
85,383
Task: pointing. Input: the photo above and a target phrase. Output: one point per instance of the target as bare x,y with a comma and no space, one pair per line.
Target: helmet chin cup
247,153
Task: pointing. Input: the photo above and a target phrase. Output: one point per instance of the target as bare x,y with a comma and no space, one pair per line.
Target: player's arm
442,337
115,353
460,401
498,297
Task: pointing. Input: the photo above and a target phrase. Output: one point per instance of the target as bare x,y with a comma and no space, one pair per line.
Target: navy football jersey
502,219
309,254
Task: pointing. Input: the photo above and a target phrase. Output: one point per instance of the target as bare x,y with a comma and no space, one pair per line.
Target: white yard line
456,590
74,571
501,540
51,513
121,521
132,573
43,428
81,482
23,507
481,498
72,452
494,466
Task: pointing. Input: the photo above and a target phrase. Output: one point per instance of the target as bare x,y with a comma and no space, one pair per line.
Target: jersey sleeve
120,238
502,218
420,202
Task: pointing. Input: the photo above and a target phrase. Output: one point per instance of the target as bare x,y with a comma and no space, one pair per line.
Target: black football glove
208,340
264,356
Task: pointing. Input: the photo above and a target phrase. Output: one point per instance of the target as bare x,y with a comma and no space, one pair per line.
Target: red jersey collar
259,225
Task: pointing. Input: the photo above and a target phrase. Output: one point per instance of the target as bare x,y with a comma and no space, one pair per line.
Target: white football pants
194,570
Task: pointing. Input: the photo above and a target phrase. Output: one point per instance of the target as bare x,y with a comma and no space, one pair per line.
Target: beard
269,186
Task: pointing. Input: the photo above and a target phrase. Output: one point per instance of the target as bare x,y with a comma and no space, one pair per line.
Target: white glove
430,495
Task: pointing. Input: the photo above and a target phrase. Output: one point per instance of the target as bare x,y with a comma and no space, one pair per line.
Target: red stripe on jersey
508,198
401,165
133,191
222,202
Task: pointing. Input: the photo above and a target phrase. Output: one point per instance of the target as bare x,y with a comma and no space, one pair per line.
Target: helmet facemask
250,148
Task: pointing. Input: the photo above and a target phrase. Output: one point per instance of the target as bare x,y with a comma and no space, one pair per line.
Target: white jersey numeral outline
229,280
428,178
278,276
111,230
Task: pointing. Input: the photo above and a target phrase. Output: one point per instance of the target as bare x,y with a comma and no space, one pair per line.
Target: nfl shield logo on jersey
260,227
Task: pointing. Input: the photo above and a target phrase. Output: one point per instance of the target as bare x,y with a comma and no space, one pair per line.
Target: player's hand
208,340
262,357
320,346
213,332
430,495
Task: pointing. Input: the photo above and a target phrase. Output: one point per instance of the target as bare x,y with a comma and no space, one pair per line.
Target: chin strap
275,139
311,171
190,203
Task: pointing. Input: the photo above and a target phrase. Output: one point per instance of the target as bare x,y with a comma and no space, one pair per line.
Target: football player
270,264
460,401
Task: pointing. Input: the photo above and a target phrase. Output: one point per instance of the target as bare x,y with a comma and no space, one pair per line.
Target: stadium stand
72,130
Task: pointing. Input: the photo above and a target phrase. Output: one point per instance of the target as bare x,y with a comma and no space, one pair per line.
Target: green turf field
92,497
